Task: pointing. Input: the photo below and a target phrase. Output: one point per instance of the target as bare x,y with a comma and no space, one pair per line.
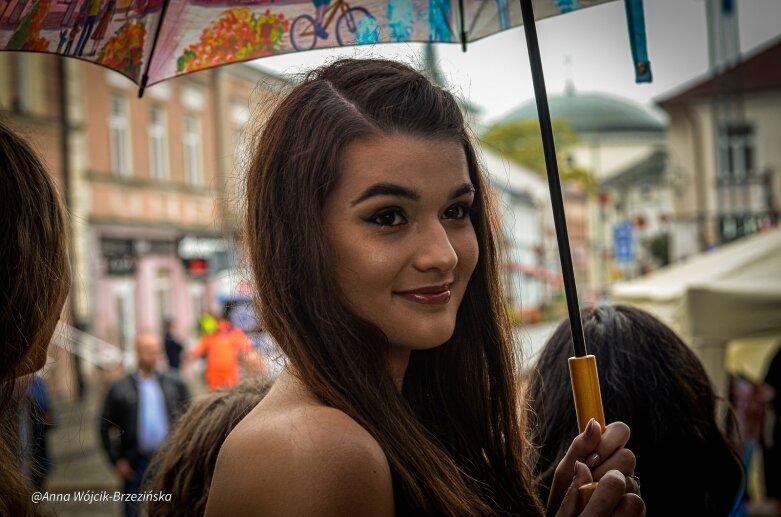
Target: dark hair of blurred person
185,464
651,380
34,282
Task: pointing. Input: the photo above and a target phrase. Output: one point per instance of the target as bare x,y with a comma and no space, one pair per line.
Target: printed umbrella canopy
153,40
150,41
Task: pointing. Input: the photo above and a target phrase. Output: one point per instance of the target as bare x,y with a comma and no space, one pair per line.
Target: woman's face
398,224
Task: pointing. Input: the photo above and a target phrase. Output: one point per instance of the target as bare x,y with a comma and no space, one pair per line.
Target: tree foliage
520,141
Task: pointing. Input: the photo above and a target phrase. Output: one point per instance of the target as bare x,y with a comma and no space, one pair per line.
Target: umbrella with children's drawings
153,40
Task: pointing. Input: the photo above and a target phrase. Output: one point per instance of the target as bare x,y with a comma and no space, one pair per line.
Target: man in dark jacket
140,408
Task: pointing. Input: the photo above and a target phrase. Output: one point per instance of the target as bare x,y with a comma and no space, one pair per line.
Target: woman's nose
435,251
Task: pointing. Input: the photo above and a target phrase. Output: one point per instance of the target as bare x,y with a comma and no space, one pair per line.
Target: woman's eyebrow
391,189
386,189
466,188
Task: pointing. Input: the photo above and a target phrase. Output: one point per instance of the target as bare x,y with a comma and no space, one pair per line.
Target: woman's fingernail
590,428
593,460
577,467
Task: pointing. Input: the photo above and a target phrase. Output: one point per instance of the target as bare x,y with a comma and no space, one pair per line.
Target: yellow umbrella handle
588,405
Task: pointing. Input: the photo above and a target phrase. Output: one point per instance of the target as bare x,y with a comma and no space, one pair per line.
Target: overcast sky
494,72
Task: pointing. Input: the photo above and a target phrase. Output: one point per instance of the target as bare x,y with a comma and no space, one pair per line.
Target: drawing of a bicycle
304,32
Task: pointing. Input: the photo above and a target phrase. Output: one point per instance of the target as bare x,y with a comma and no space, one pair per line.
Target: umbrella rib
145,77
557,203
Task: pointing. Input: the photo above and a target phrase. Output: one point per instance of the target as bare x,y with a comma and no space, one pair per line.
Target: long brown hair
455,437
34,279
652,381
184,466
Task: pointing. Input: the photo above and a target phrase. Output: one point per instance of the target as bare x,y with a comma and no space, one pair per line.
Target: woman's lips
439,298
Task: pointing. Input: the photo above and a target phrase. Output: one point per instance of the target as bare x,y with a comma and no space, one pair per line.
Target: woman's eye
388,218
457,212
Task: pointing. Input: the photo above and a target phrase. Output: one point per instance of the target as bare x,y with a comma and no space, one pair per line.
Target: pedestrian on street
173,347
372,236
35,430
141,406
34,283
223,349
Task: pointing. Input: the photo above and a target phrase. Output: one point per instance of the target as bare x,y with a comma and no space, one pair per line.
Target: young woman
373,245
34,282
651,380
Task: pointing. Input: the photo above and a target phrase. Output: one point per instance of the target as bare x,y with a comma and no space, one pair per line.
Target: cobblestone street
79,462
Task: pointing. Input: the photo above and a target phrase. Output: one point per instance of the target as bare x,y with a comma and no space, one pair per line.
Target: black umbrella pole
557,203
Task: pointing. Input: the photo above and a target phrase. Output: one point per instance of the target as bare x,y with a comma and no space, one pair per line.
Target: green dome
593,113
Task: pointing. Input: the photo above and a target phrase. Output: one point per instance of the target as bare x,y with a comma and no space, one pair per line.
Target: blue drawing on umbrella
504,14
566,6
401,20
439,20
367,32
354,25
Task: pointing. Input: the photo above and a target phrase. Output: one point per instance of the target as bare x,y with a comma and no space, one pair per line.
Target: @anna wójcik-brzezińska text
93,496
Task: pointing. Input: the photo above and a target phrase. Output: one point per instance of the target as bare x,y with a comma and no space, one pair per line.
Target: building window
739,186
193,170
158,145
163,295
30,84
736,153
119,136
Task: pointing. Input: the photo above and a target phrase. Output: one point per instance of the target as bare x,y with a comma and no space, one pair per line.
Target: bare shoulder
300,460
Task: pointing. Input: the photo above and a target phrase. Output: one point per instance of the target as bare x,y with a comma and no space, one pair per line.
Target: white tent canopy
731,293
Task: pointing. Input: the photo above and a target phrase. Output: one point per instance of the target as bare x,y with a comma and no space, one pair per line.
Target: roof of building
593,113
760,71
649,169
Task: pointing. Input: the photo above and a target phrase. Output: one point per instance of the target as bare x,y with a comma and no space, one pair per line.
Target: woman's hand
604,454
610,498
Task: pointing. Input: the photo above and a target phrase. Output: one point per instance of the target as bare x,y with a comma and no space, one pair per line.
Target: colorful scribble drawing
401,19
90,10
103,24
354,26
439,20
124,50
27,35
239,34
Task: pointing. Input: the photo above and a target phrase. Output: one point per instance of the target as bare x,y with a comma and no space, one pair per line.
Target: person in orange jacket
223,349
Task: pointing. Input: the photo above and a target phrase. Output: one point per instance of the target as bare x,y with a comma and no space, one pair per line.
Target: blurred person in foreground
34,283
183,467
223,349
140,407
651,380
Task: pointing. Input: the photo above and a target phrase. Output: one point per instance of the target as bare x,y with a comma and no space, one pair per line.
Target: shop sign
124,264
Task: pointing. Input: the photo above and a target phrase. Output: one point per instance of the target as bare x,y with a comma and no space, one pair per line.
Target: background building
614,135
152,187
725,160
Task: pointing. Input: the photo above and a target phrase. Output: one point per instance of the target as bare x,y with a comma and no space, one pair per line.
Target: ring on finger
636,481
